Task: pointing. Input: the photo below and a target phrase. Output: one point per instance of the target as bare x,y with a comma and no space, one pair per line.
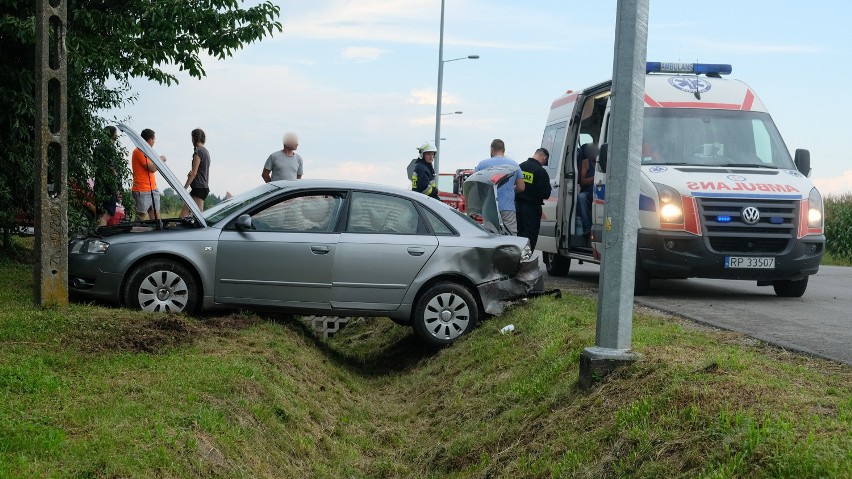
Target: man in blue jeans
505,193
586,179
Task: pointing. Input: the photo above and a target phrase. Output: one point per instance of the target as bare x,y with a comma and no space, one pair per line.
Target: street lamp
452,113
441,62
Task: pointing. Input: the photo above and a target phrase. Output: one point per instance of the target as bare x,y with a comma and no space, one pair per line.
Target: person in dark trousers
586,181
424,179
528,202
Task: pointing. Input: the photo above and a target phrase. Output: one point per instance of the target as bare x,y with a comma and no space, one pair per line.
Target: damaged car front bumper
496,295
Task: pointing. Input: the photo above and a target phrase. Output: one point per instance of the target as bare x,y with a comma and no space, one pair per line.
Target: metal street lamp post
441,62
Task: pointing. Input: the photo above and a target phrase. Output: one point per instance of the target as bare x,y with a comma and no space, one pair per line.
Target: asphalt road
819,323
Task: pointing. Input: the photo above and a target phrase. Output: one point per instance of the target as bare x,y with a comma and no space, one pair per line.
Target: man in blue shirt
505,193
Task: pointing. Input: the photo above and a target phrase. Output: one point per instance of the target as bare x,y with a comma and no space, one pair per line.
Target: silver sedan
315,247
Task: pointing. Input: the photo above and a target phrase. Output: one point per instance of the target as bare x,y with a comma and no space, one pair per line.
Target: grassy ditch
102,392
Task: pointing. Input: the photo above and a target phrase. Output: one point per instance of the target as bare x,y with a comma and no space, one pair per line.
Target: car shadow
373,352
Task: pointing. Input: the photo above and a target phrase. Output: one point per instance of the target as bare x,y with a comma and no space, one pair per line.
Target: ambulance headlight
814,209
671,214
671,205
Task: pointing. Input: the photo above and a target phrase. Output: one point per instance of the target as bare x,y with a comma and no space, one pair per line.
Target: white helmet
426,148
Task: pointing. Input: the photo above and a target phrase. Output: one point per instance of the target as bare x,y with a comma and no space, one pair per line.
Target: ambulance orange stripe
650,101
749,101
564,100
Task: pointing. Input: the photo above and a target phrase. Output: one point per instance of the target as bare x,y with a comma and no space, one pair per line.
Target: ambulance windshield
706,137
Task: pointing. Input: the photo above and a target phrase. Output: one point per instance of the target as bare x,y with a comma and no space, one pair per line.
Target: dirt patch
139,333
153,335
210,456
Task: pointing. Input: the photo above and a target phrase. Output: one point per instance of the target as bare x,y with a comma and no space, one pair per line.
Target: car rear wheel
791,289
161,286
445,312
556,264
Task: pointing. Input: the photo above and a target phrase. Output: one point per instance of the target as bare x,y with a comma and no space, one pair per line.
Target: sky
356,80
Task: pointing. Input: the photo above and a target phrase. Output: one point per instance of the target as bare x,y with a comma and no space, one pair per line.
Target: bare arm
150,166
519,185
265,175
196,161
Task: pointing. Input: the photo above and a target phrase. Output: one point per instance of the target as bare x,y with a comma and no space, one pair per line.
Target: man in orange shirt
145,192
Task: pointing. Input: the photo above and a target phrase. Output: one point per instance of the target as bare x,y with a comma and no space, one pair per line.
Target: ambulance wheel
791,289
641,280
556,264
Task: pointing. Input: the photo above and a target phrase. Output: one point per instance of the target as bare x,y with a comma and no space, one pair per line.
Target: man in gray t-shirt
284,164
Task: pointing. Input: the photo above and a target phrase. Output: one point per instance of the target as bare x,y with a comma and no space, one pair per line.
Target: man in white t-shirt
284,164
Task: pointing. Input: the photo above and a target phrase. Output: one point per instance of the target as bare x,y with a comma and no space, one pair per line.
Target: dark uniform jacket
537,183
423,179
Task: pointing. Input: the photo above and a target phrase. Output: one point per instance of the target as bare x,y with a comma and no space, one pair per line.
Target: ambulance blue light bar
696,68
723,219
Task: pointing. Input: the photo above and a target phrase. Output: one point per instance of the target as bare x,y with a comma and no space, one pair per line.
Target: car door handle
416,251
320,249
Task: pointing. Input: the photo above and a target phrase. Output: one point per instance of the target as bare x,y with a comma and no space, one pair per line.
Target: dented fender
495,295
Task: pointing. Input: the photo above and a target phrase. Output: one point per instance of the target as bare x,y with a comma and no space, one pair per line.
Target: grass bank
102,392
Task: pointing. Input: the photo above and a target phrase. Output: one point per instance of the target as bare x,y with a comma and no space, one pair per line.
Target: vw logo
750,215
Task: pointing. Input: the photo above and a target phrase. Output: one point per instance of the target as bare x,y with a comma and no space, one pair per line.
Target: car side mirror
243,222
803,162
602,157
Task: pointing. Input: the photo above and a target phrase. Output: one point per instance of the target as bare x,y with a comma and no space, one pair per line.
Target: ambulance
720,195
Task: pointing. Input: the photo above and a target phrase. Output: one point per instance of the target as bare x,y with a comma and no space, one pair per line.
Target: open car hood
480,196
164,170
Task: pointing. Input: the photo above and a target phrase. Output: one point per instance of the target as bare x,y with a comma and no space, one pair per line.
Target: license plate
749,262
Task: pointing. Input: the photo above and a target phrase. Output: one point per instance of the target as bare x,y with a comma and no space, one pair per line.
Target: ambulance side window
762,141
554,142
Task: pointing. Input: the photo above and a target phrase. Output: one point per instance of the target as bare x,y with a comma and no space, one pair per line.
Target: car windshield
228,206
706,137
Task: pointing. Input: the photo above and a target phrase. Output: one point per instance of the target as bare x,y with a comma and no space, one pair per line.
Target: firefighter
528,202
423,178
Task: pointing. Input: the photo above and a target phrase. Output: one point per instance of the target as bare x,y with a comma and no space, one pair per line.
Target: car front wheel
161,286
445,312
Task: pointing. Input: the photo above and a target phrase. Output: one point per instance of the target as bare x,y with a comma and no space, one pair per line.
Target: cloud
343,133
836,185
428,96
404,21
361,54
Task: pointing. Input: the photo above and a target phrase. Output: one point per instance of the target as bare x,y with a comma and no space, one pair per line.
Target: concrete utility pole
621,222
51,155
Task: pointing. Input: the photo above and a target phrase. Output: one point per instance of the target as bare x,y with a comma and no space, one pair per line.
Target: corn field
838,225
